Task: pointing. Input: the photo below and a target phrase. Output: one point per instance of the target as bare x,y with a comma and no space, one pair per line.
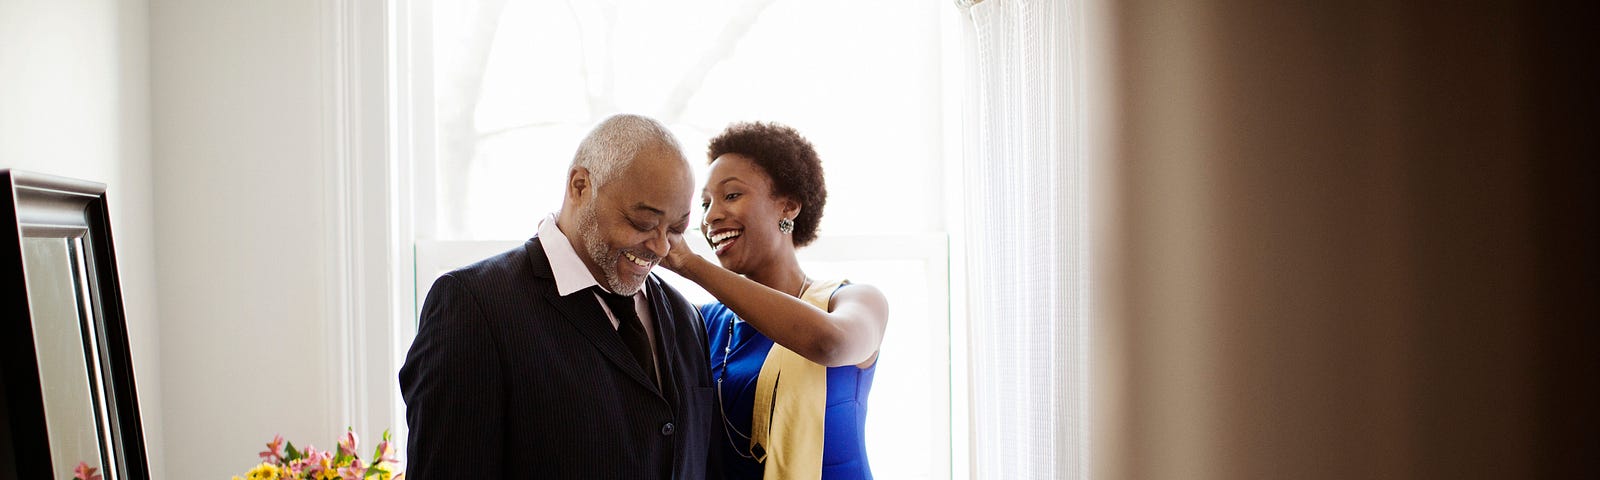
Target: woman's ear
789,207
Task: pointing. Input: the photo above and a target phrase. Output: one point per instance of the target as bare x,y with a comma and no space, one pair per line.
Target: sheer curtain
1026,245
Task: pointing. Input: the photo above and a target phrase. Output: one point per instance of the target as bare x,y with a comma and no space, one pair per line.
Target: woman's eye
705,205
731,196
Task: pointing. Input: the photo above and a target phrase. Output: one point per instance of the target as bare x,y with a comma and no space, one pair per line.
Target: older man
565,357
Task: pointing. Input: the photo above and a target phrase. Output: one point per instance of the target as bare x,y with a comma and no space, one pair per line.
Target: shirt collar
571,274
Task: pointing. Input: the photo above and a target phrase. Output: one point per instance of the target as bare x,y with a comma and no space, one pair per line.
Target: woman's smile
723,239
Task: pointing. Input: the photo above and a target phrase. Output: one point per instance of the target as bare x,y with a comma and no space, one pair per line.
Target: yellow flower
264,471
328,473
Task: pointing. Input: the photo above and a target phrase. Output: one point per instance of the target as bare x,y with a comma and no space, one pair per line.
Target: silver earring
785,226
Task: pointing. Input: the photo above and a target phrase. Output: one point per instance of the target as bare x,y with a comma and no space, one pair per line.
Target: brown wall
1348,240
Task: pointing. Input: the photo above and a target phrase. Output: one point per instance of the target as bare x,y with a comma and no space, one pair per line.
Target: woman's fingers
677,253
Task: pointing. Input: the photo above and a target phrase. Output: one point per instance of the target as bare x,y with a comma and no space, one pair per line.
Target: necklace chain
727,350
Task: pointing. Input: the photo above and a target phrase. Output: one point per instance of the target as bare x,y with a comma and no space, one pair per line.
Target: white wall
75,101
239,136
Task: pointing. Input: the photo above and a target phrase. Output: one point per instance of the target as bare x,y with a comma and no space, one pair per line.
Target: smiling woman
822,340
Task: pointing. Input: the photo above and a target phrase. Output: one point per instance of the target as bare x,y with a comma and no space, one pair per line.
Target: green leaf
294,454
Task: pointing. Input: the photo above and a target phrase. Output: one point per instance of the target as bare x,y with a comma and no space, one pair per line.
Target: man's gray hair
612,144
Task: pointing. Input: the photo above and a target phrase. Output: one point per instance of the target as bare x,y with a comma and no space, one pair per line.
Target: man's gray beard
601,254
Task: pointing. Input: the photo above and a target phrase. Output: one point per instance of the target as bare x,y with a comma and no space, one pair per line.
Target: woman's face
741,214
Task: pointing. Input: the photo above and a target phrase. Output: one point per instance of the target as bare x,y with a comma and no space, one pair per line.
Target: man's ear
578,184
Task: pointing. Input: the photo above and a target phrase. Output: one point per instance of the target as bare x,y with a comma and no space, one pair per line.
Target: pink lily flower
386,454
354,471
274,451
316,461
310,454
84,472
347,443
325,461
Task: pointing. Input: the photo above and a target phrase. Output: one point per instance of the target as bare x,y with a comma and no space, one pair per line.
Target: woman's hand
678,255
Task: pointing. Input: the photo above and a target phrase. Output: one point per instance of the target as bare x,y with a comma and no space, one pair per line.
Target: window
498,93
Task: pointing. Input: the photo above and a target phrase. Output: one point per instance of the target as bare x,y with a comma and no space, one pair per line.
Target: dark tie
631,331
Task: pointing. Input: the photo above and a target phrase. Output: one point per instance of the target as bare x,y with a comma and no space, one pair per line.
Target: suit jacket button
667,429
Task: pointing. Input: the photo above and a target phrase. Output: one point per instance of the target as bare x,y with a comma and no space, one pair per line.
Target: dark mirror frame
46,203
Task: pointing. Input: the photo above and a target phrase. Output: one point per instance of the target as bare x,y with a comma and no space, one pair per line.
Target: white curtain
1026,245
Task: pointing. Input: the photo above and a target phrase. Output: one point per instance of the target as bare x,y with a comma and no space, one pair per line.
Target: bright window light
511,87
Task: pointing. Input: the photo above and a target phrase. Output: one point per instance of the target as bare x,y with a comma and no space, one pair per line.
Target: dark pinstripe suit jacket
507,379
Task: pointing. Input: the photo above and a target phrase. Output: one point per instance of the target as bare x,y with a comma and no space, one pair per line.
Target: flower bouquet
281,461
85,472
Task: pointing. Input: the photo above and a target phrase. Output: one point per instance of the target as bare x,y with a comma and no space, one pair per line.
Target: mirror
63,338
68,392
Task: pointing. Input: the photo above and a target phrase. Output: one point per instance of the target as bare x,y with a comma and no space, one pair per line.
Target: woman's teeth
636,260
717,239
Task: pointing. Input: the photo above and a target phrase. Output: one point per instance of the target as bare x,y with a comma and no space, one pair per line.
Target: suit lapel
666,334
583,312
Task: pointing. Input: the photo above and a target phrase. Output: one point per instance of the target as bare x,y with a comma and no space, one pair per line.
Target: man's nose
658,243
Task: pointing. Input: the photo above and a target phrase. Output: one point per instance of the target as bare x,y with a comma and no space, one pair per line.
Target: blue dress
844,437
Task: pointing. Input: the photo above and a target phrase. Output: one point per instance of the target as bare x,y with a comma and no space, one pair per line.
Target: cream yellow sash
790,405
